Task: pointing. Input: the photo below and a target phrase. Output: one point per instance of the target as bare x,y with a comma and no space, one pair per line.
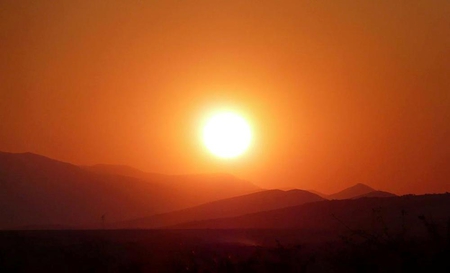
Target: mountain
375,194
356,191
194,189
324,196
352,192
414,214
250,203
39,191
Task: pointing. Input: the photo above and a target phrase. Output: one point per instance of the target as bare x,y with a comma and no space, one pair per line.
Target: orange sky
337,94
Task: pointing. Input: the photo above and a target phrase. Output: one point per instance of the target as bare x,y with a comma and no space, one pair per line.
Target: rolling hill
351,192
357,191
414,214
39,191
235,206
375,194
193,189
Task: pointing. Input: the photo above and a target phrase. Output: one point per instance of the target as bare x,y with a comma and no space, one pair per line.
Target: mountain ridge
337,216
351,192
40,191
233,206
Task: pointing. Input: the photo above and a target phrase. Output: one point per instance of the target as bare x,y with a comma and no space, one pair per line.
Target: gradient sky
336,93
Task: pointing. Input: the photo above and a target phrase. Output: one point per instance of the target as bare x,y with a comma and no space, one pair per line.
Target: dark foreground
221,251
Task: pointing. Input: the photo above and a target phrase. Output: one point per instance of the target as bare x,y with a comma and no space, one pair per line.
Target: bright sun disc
227,135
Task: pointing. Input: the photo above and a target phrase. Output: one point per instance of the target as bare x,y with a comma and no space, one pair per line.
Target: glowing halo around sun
227,135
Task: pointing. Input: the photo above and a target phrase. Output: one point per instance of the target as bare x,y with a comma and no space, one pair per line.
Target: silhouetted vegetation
382,249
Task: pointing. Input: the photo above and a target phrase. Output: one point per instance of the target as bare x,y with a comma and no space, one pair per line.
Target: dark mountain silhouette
356,191
194,189
389,214
39,191
352,192
254,202
375,194
319,194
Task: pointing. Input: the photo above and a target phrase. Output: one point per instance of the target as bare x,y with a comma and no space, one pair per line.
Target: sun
227,135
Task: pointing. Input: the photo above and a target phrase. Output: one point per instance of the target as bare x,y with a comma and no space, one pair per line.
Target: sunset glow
227,135
211,136
334,92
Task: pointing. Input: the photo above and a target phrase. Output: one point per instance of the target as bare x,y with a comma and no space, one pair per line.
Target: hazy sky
337,92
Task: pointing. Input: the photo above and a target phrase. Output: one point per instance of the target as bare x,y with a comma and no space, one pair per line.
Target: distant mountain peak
80,195
361,186
358,189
